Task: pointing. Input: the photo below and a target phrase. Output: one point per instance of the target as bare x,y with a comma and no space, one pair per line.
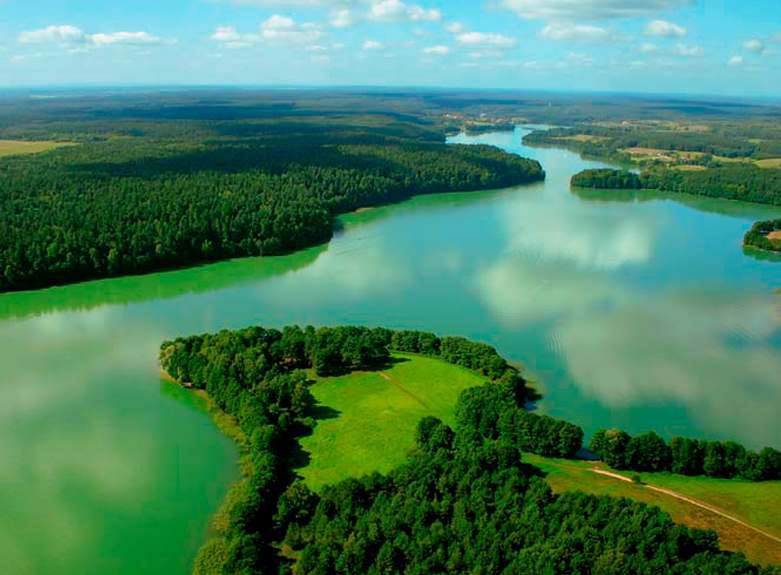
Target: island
765,236
375,450
743,183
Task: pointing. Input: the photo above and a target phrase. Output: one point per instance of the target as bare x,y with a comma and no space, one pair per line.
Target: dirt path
691,501
402,389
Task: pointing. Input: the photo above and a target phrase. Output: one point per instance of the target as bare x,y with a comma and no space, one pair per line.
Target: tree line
757,236
649,452
464,502
740,139
742,182
132,205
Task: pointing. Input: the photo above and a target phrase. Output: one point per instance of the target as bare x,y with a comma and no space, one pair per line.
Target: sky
718,47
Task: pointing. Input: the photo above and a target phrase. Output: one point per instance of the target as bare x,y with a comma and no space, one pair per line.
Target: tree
687,456
714,461
647,452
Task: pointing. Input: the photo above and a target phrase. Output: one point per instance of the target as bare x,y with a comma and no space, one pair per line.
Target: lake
639,311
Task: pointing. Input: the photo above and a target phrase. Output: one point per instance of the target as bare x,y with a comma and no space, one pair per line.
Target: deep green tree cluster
757,236
649,452
607,179
494,412
132,205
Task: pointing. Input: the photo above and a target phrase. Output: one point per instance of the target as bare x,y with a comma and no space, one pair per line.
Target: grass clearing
22,147
368,418
583,138
756,503
769,163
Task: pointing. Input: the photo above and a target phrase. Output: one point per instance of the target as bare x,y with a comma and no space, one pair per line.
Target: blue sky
674,46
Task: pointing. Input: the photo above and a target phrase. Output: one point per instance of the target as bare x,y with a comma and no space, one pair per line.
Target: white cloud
342,18
647,48
76,40
735,61
419,14
234,40
396,11
485,39
228,36
304,3
688,50
590,9
576,32
437,50
579,59
755,45
665,29
279,28
130,38
486,54
455,27
64,34
275,29
370,45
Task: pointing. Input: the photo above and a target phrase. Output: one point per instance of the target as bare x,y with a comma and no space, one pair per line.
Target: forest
759,236
463,503
735,182
148,193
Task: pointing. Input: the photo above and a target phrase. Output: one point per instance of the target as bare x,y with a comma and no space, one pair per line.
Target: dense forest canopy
649,452
140,194
463,503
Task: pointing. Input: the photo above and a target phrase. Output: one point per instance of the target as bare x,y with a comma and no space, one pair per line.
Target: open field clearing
369,418
769,163
22,148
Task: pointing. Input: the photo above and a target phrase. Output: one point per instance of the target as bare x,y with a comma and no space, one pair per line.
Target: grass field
769,163
20,148
753,503
370,417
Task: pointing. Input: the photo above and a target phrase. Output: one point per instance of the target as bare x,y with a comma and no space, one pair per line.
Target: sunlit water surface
640,312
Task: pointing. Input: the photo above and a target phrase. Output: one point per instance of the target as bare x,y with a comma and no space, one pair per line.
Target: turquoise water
637,311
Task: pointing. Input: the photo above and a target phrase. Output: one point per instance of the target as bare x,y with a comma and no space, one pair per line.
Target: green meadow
368,419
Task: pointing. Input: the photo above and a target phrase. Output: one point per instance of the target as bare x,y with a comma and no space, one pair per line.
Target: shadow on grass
374,367
299,457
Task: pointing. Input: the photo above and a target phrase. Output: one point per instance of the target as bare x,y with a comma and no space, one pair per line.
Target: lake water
636,311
